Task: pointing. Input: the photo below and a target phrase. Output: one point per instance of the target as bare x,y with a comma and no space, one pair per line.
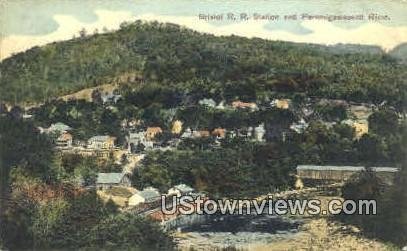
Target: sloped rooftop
109,178
149,193
184,188
345,168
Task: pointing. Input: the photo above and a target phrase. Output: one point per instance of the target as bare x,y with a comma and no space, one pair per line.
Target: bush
128,230
390,222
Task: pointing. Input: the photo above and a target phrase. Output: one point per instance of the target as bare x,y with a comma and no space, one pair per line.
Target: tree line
177,57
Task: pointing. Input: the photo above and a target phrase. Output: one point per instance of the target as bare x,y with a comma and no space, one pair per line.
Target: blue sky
26,23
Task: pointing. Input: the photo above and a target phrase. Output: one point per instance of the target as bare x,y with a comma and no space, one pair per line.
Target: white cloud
68,26
322,32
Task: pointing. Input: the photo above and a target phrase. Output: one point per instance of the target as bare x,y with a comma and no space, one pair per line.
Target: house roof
184,188
136,135
202,133
109,178
149,193
240,104
260,128
208,102
346,168
110,96
281,103
325,101
176,127
187,133
59,127
65,137
154,130
219,132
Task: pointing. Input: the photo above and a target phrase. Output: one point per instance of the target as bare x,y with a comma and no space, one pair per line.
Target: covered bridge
342,173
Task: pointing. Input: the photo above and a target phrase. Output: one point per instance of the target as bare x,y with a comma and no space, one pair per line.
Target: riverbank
321,234
313,232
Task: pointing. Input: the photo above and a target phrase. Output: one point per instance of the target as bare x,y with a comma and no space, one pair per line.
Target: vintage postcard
203,125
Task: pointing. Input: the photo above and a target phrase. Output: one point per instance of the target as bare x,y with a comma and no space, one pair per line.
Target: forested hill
172,55
400,52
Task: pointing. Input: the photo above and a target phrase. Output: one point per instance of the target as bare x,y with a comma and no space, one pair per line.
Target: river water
239,231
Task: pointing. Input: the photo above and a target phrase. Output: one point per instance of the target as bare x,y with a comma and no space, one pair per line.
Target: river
239,231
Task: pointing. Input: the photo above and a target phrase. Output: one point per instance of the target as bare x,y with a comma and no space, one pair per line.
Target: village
111,114
140,140
117,186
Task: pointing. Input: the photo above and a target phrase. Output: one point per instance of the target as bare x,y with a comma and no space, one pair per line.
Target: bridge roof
345,168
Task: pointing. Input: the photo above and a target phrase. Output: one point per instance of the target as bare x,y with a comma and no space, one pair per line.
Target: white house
259,132
248,133
221,105
244,105
187,133
134,139
299,127
148,195
64,140
207,102
101,142
27,116
110,97
179,190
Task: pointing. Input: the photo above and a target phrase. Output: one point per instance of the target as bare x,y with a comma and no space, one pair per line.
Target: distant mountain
400,52
176,57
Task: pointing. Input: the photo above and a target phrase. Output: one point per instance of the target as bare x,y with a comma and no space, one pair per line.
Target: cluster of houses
359,114
101,146
146,139
358,120
278,103
64,139
148,195
139,140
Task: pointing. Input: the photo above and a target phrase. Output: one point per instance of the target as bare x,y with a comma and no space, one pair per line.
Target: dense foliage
78,222
163,71
390,222
243,168
178,57
22,145
42,207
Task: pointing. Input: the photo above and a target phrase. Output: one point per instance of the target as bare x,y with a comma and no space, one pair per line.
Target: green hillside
400,52
172,55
